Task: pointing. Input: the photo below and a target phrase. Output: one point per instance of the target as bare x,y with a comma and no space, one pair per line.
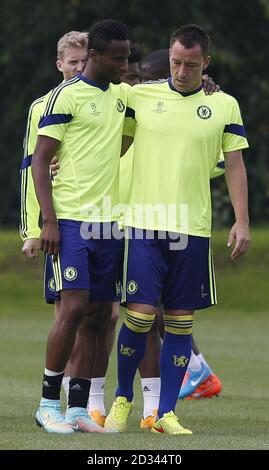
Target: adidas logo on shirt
146,389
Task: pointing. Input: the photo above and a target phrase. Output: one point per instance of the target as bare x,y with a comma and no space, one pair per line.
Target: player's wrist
243,220
50,220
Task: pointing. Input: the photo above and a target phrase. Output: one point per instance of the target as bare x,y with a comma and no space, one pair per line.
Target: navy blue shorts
89,259
156,270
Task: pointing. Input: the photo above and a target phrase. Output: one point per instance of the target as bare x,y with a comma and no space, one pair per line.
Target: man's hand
54,166
209,85
50,238
240,234
31,248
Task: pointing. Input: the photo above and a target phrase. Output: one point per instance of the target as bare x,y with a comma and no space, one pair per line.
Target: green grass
233,337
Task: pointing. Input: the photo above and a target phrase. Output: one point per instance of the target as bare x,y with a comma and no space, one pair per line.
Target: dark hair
191,34
158,61
136,53
102,32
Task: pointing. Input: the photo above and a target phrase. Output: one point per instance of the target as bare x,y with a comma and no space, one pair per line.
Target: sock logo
76,387
126,351
146,389
46,384
180,361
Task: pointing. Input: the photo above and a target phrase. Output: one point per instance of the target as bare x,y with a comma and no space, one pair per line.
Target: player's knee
74,311
91,320
88,321
97,317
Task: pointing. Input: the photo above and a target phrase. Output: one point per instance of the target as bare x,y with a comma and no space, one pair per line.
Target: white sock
203,361
151,394
65,384
51,373
96,397
194,363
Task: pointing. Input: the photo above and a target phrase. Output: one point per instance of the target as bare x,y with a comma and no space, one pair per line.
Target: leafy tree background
240,35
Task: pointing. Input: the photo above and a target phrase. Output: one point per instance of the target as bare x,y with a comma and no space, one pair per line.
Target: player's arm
29,207
31,246
129,122
58,113
236,179
45,150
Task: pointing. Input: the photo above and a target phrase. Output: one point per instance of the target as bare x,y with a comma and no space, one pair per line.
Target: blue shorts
155,271
89,262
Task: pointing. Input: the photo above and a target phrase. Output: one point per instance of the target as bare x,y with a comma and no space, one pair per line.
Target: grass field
233,337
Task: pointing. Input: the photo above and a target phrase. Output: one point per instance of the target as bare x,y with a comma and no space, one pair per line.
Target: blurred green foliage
240,34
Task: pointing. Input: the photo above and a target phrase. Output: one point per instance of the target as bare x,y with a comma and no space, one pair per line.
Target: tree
240,32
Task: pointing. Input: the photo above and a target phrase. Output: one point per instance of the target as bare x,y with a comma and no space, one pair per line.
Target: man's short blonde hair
71,39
